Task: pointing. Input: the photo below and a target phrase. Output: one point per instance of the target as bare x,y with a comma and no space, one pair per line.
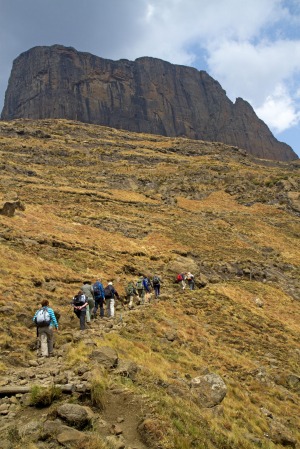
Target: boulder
105,356
208,390
75,415
279,434
65,435
127,368
9,204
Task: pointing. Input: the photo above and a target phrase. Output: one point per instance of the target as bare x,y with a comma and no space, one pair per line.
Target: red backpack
179,277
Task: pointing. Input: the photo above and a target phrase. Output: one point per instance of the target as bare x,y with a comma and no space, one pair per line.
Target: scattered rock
116,442
259,302
6,310
127,368
105,356
279,434
75,415
9,205
209,390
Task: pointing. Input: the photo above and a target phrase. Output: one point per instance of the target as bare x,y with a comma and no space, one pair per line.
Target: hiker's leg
44,342
82,316
91,306
112,307
130,304
101,303
140,292
50,337
96,307
88,316
108,307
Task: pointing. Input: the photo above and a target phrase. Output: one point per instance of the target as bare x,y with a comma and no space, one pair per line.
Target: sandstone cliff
147,95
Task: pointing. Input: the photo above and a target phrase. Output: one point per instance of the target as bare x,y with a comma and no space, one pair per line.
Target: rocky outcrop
9,204
148,95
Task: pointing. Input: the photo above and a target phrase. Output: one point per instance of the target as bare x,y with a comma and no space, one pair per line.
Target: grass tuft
43,397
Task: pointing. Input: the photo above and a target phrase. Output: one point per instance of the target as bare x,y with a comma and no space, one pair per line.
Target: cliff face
148,95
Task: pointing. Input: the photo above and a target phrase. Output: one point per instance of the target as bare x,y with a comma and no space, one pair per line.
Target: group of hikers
94,296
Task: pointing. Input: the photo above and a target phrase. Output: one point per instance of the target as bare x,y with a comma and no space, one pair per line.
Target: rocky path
73,419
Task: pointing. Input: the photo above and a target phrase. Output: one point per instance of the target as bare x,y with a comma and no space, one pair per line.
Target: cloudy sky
251,47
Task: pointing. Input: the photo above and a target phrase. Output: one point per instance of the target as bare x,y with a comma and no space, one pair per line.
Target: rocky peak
146,95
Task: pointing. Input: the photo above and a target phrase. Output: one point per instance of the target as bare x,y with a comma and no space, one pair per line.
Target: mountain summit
146,95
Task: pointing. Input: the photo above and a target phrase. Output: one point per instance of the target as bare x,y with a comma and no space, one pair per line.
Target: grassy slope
112,203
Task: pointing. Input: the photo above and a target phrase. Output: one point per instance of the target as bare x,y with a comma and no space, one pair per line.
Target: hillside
82,201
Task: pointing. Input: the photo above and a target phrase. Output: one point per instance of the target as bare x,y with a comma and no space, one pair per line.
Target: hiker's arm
53,318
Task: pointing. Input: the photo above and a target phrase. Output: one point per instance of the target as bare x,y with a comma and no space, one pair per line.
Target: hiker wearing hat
131,291
88,291
190,280
110,293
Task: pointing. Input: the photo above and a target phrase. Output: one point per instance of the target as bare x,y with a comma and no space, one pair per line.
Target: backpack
179,277
155,280
43,317
108,294
97,289
129,289
78,300
139,284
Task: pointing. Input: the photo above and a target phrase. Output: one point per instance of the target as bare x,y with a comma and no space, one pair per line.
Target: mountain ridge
146,95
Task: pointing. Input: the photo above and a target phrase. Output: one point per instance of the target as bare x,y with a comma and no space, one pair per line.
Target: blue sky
251,47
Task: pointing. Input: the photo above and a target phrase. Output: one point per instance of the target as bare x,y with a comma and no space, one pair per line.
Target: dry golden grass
108,203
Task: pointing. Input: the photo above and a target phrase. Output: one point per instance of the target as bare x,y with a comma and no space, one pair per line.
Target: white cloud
279,110
172,27
251,47
255,71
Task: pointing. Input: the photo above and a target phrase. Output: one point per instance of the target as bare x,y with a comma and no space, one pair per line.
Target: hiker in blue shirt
99,298
45,321
147,287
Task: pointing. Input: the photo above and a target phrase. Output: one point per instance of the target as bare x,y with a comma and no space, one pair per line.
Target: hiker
156,281
89,293
190,280
181,280
110,293
147,287
45,321
99,298
80,304
140,289
131,291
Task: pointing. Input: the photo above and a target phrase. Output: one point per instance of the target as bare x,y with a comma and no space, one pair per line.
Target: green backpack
129,289
139,284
